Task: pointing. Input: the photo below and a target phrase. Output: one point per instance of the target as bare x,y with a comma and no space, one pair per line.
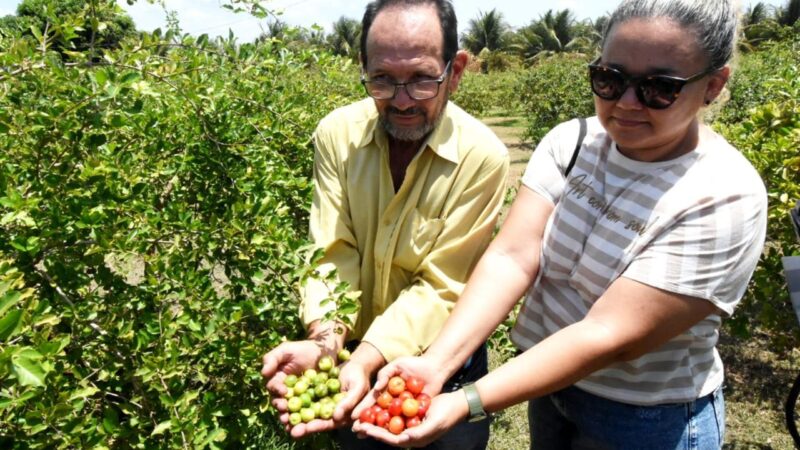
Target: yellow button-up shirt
409,252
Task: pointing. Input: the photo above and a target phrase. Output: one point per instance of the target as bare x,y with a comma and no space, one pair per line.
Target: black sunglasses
653,91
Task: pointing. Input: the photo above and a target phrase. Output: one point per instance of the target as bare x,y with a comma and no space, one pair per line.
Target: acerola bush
765,126
554,90
483,94
153,213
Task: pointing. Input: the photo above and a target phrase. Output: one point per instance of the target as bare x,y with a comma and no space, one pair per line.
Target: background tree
489,31
755,14
554,32
790,13
344,39
73,25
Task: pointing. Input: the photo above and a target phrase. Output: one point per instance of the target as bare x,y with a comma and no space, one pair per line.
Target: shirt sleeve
331,230
544,173
710,252
411,323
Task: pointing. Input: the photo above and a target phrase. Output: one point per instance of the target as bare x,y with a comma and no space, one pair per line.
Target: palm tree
757,25
344,39
554,33
488,31
790,13
755,14
276,29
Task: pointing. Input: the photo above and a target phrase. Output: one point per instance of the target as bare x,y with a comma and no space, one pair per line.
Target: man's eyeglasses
653,91
418,90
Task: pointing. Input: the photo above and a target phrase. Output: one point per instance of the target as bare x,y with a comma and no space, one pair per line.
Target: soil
508,130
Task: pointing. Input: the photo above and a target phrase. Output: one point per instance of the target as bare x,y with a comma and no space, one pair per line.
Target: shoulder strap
581,135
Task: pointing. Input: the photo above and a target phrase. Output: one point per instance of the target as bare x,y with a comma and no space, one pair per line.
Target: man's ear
457,68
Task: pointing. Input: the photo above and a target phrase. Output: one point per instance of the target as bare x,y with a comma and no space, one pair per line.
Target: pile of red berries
401,405
315,393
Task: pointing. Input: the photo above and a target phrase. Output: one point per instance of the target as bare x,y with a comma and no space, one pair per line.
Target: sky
207,16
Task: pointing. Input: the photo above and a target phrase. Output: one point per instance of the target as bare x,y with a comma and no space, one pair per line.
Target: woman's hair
714,22
447,18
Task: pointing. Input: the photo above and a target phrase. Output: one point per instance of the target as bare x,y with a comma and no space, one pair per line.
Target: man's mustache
415,111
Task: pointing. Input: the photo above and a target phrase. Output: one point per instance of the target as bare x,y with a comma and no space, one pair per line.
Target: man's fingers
298,431
315,426
346,405
281,404
271,362
275,384
318,425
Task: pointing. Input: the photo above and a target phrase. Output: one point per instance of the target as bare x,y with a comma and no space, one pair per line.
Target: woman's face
660,46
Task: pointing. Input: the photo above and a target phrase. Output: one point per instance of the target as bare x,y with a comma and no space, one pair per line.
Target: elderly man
408,188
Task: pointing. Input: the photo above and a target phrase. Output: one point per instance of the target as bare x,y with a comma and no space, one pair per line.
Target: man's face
405,45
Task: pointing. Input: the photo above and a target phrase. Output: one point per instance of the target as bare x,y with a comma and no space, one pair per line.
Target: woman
627,264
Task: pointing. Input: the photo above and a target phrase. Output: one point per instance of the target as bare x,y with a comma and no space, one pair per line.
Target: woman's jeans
464,436
575,419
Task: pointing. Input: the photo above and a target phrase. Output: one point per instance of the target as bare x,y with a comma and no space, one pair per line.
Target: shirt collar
442,140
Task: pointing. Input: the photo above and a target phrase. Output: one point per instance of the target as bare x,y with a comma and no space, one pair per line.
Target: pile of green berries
315,393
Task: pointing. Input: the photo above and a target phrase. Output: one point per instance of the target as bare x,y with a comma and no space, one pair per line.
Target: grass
757,384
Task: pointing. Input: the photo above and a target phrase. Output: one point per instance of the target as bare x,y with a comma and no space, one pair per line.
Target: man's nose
402,100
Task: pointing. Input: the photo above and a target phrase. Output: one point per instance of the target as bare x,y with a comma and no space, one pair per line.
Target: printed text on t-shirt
581,189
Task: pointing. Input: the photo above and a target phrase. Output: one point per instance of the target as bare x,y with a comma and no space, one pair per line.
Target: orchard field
154,192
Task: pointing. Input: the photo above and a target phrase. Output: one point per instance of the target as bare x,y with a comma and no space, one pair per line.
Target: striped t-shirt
694,225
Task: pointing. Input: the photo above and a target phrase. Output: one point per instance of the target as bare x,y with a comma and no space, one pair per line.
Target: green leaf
100,76
111,420
9,323
8,299
130,77
88,391
27,367
161,428
36,33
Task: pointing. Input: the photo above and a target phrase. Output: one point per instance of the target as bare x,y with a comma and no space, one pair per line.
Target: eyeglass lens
657,92
419,90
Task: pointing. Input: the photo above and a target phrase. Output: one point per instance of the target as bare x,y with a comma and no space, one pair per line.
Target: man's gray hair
714,22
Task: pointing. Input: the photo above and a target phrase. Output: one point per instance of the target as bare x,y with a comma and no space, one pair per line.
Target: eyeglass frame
635,82
405,85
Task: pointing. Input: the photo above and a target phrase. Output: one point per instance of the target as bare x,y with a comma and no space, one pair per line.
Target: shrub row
153,209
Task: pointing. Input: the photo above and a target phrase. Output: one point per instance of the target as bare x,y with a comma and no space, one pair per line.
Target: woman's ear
717,82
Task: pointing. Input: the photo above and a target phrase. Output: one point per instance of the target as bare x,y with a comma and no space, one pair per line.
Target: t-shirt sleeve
545,171
710,252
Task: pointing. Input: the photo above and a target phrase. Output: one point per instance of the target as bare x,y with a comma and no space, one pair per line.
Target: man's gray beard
413,134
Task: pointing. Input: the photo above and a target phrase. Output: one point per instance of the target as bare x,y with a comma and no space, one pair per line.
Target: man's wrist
369,357
328,335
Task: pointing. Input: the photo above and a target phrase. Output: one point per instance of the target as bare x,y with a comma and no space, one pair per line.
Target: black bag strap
581,135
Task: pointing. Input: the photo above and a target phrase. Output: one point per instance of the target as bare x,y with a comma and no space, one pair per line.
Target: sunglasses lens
606,84
659,92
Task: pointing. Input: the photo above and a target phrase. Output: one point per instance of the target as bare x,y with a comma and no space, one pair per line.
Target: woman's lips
628,123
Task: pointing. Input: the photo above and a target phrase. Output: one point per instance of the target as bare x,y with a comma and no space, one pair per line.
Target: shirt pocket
417,236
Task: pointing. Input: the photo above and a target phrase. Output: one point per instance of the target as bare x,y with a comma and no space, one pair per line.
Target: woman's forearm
499,280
